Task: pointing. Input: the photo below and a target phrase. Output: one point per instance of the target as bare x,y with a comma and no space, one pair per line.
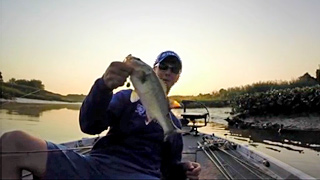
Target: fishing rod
216,162
253,169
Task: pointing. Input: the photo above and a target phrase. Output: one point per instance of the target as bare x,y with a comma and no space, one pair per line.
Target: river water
59,123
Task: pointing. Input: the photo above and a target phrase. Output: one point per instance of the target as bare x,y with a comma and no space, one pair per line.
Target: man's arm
93,113
171,166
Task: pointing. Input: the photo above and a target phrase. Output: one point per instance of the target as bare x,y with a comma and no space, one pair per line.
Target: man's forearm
93,113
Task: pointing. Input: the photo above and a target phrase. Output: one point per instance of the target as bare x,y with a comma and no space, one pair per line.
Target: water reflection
53,122
35,110
307,139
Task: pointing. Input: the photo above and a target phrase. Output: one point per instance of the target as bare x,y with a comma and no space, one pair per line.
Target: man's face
169,71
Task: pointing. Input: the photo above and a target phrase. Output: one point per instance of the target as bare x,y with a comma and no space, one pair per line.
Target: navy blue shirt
129,138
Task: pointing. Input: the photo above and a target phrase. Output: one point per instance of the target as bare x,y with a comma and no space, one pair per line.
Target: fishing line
23,96
30,93
44,151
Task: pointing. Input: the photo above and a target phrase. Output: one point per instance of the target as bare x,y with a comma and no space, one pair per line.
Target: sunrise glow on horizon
222,43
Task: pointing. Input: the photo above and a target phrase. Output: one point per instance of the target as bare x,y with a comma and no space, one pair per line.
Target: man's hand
116,74
193,169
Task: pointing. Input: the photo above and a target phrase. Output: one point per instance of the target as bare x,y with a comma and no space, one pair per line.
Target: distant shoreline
33,101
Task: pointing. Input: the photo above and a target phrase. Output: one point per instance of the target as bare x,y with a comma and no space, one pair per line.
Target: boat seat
194,119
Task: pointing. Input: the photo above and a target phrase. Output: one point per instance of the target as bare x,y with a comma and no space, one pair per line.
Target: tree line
33,89
31,83
223,97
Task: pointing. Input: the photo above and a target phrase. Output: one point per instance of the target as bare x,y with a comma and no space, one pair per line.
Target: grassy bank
237,97
11,91
299,100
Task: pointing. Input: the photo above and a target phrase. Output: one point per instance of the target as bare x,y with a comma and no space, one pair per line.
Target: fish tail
179,131
165,138
176,130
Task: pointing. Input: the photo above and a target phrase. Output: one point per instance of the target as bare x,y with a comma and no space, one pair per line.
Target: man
130,150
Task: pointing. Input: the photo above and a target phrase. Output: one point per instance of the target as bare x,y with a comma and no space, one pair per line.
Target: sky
222,43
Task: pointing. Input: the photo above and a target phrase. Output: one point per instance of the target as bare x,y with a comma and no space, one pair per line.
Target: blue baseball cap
162,56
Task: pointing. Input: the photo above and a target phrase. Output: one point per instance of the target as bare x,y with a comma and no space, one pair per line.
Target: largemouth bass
152,92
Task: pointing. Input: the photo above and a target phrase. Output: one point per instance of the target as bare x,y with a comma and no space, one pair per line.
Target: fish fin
134,97
175,131
180,131
165,138
170,117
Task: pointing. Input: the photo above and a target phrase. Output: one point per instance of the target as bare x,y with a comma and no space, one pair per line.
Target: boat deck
219,163
192,152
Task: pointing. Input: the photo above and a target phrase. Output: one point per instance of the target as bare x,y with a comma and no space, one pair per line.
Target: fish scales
152,93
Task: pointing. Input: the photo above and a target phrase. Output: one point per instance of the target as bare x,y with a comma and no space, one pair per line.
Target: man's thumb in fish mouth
116,75
129,66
